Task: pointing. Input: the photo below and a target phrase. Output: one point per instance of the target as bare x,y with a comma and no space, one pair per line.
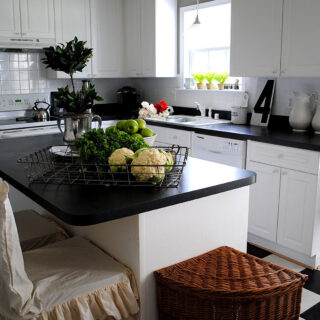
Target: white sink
189,120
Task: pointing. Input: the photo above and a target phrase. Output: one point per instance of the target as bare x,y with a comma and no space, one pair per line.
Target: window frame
181,30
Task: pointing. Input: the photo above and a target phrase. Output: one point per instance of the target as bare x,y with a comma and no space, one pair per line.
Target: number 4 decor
262,109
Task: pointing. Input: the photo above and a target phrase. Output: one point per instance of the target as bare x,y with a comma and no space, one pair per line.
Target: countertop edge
86,220
240,136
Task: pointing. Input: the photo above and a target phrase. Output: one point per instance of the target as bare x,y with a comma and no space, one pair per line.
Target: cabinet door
170,136
148,38
10,18
297,210
72,18
37,18
264,201
300,45
107,38
132,15
256,37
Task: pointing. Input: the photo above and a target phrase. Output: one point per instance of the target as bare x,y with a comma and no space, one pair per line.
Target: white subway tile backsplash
22,73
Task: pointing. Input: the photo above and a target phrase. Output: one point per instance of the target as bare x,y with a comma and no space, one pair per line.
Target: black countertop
88,205
309,141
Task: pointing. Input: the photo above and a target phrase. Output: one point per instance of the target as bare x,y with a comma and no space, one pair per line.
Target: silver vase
76,125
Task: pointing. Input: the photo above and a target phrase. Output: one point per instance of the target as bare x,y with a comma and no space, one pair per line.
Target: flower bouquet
157,110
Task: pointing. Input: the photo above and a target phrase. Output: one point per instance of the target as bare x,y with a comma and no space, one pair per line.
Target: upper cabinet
107,38
72,18
10,18
37,18
26,23
275,38
255,37
300,45
151,38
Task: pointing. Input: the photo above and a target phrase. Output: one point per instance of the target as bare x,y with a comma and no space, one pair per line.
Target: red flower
161,106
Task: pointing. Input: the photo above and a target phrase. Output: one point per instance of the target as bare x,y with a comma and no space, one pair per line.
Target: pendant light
195,31
196,23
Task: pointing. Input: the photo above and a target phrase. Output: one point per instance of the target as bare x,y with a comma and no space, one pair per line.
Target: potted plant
70,58
221,78
199,77
210,77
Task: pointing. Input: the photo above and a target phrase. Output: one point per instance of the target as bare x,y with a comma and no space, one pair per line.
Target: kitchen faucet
199,108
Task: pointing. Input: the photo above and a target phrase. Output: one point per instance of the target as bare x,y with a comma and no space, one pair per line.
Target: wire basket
61,165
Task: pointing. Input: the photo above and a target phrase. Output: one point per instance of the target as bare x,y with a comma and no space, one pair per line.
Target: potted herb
210,77
71,58
199,77
221,78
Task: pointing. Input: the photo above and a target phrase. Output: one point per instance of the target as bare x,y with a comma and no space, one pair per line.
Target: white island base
155,239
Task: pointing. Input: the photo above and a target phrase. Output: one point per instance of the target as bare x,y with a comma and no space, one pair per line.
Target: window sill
210,91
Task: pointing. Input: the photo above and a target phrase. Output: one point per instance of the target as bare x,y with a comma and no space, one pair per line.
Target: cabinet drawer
285,157
172,136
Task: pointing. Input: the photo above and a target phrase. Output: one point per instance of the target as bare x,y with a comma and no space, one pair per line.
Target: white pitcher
301,113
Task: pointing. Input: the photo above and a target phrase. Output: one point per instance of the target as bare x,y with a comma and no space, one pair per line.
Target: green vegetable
210,76
221,77
199,77
97,145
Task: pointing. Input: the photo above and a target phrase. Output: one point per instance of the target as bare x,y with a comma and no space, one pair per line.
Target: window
206,48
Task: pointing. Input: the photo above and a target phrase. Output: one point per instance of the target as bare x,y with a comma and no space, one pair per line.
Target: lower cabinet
283,211
297,205
264,201
168,136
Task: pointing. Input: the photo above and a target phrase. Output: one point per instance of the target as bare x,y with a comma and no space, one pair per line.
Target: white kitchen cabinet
10,18
26,23
298,198
72,18
169,136
37,19
284,215
151,38
264,201
255,37
107,38
275,38
300,45
132,23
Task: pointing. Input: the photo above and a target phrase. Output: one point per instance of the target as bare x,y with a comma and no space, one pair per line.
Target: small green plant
70,58
199,77
210,77
221,77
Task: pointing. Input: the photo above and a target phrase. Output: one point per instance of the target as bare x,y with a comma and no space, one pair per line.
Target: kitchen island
145,228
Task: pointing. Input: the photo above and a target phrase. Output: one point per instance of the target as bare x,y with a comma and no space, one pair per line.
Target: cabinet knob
280,156
284,173
274,71
275,171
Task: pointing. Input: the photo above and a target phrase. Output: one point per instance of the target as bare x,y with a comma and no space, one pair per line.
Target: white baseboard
311,261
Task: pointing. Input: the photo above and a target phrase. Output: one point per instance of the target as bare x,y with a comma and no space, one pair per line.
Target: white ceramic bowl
150,140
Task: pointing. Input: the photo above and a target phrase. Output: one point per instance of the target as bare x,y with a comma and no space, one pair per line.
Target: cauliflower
155,161
120,157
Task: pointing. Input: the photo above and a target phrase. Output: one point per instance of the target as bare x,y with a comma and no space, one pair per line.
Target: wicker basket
226,284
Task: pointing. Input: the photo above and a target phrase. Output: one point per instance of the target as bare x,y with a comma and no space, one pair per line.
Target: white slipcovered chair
67,280
36,231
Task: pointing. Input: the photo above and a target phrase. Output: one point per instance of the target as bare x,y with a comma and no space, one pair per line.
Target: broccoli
96,145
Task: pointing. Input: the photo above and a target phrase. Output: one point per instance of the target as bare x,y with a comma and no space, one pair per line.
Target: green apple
137,135
131,126
121,124
142,124
147,132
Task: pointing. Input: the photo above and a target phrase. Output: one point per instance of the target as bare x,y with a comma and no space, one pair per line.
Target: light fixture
195,32
196,23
